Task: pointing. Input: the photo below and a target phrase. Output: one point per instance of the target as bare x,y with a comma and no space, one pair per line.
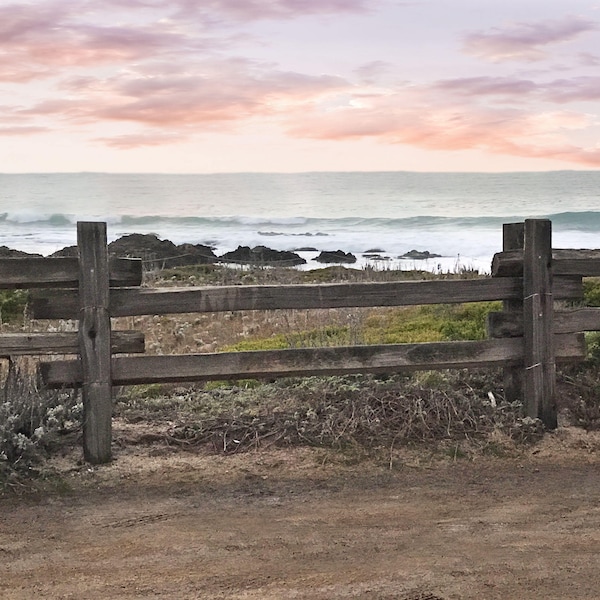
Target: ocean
456,215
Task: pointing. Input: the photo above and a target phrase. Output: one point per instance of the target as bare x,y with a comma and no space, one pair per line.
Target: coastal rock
376,257
420,255
160,253
261,255
337,256
138,245
67,252
6,252
194,254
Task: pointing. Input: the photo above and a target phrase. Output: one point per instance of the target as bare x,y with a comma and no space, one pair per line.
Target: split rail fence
528,338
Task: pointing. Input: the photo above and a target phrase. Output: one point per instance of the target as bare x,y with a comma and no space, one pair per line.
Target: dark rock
376,257
160,253
418,255
305,249
138,245
194,254
337,256
261,255
6,252
68,252
373,251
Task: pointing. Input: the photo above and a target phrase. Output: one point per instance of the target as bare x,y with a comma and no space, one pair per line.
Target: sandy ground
306,523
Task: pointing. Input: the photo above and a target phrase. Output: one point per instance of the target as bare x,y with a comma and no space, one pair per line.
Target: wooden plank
36,272
129,302
268,364
538,326
503,324
62,304
14,344
585,263
266,297
94,341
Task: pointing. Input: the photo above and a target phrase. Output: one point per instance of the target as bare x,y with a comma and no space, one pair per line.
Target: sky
202,86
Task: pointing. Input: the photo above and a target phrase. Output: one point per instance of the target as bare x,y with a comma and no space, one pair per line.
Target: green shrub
591,291
404,325
592,339
12,306
468,321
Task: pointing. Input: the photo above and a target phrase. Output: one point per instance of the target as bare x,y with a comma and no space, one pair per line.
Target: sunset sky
299,85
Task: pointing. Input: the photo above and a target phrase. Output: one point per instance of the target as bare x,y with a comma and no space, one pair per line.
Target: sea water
456,215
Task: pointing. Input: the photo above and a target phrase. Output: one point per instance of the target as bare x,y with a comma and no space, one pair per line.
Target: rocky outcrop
159,253
193,254
337,256
67,252
6,252
418,255
261,255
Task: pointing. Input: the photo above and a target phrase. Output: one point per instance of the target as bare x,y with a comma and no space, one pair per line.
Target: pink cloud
229,90
37,41
487,86
139,140
22,130
422,119
47,38
176,99
525,41
559,91
576,89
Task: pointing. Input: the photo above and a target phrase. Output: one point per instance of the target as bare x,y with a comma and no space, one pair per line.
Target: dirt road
308,524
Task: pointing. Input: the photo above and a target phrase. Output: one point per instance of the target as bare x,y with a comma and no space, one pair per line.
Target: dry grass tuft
448,410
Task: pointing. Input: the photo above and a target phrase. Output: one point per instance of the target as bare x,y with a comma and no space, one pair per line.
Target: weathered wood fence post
94,341
513,239
538,323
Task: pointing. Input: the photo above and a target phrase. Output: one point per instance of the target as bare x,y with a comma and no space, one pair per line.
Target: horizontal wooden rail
505,324
62,304
311,361
13,344
585,263
36,272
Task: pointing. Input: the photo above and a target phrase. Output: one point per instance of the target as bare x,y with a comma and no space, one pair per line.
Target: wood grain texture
513,238
130,302
390,358
95,341
126,302
34,272
15,344
564,262
538,323
505,324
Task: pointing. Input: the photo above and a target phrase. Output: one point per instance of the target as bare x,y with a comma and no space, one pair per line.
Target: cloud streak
219,11
525,41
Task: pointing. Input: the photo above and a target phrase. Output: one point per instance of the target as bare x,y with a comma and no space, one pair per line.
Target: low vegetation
456,412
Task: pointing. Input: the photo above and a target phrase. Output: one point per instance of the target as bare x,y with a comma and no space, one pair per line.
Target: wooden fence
527,338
